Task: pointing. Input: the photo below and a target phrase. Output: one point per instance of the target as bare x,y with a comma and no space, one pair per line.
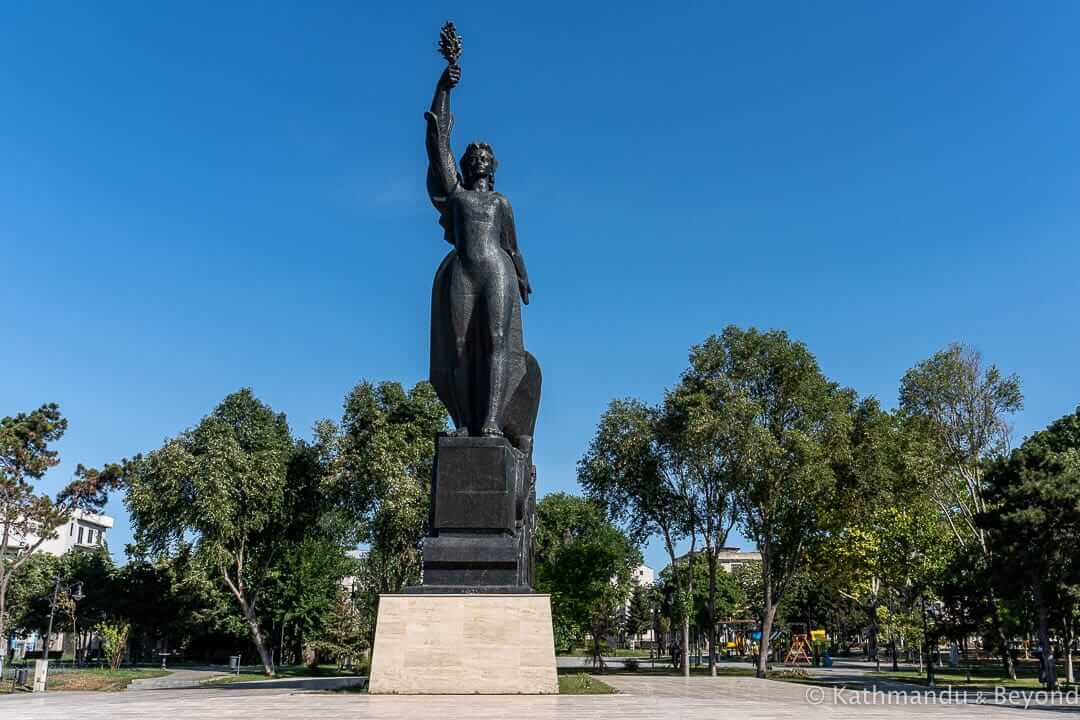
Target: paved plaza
640,697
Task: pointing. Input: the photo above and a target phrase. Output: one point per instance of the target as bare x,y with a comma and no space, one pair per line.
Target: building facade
82,532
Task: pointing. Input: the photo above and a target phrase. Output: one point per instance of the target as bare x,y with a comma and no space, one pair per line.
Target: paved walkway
642,697
177,679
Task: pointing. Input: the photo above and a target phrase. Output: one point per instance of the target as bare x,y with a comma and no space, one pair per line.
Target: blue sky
197,197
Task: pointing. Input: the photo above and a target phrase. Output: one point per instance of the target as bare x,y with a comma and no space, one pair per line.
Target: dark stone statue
483,489
479,367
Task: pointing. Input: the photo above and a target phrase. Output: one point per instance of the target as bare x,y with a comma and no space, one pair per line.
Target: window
90,536
71,529
80,535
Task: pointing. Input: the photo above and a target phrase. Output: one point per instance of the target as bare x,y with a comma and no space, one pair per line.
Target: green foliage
224,483
346,635
28,519
640,610
30,590
1034,519
729,596
114,637
382,458
585,563
791,427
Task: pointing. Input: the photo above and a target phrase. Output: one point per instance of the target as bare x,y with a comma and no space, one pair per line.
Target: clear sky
197,197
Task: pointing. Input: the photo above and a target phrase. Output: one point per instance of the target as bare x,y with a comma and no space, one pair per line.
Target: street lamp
75,592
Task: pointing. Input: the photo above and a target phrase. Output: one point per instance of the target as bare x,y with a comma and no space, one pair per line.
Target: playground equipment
799,652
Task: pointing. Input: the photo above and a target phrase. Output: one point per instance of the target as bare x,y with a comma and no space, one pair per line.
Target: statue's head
478,162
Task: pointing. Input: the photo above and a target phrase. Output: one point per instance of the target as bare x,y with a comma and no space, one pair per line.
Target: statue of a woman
479,366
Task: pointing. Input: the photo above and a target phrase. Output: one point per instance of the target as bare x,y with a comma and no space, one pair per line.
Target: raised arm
442,179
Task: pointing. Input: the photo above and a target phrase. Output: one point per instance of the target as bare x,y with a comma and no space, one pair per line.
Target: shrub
114,637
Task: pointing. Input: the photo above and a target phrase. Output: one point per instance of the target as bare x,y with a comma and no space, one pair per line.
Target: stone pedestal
483,494
464,644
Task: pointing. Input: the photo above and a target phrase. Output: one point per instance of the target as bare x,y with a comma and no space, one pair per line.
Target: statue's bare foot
490,429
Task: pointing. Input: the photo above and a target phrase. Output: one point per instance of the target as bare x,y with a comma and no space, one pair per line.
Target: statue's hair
475,147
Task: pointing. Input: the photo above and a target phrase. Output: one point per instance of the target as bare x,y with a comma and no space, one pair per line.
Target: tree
711,603
884,531
798,432
346,636
634,473
380,462
114,637
225,483
638,612
1033,521
964,407
703,422
28,519
585,563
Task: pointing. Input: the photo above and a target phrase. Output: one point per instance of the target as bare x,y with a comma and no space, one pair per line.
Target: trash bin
234,663
22,677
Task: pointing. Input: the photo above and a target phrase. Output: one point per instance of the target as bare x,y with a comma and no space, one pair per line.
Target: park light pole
75,592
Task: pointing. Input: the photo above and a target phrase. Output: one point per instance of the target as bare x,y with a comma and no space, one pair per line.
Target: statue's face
479,163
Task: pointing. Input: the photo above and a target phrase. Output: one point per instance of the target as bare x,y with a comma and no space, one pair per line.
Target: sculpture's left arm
509,243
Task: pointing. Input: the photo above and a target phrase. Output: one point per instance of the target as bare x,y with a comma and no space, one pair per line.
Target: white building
83,531
730,557
643,577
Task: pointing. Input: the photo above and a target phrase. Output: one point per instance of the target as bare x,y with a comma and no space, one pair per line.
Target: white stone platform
464,644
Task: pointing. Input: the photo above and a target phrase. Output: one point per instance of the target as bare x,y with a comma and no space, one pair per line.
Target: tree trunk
1069,676
928,647
999,629
766,633
3,627
712,630
257,638
1046,659
686,645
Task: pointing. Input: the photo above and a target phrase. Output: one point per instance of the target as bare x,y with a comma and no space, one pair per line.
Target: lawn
94,679
583,684
608,652
288,671
981,677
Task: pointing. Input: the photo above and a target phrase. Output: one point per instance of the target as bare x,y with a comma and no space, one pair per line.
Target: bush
114,637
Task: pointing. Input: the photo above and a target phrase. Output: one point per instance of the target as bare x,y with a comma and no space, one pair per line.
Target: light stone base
464,644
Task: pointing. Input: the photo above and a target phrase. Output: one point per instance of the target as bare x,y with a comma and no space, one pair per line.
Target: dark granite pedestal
482,498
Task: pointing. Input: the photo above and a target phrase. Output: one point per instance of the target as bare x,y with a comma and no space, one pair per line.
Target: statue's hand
451,77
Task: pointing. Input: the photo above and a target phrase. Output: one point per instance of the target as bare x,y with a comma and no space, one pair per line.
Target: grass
608,652
583,684
288,671
958,678
94,679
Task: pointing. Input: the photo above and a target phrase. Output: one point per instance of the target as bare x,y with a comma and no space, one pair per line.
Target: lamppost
74,591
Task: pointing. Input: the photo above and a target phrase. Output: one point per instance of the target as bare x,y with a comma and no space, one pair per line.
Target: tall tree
380,461
964,407
27,518
632,470
798,433
703,423
638,612
1033,521
225,483
585,563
